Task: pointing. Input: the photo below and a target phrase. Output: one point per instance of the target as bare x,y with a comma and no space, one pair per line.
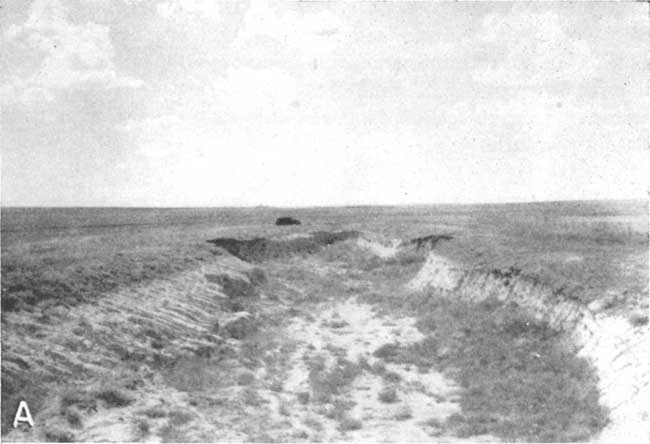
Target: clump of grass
303,397
639,319
59,435
194,375
338,323
73,417
403,413
251,397
80,399
313,423
387,351
245,378
276,386
364,364
379,368
391,376
171,433
154,412
433,422
180,417
327,383
388,395
338,409
348,423
283,408
114,398
142,428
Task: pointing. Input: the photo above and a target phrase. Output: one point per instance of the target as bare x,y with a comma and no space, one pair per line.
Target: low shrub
114,398
388,395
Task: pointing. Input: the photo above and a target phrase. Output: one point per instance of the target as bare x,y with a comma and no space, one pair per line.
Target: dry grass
142,429
154,412
519,380
114,398
348,423
388,395
327,383
59,435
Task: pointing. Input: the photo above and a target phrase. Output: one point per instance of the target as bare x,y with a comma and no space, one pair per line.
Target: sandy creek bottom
353,331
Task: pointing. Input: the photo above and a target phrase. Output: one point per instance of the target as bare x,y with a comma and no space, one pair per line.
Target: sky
205,103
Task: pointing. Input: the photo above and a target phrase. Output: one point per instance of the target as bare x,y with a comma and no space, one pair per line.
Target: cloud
311,34
532,119
537,50
170,9
70,56
244,90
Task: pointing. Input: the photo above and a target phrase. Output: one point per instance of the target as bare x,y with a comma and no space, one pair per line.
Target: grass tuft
388,395
114,398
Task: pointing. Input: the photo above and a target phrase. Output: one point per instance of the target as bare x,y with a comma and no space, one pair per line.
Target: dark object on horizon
429,241
287,221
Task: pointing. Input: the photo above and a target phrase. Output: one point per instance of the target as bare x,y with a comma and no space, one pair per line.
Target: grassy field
519,380
70,255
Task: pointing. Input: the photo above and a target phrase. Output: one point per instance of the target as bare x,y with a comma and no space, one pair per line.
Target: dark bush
287,221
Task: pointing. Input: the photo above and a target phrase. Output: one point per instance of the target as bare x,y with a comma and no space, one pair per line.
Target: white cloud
244,90
71,55
312,34
532,119
538,50
171,9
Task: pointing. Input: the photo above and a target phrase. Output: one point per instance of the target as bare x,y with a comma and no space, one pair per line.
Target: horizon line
352,205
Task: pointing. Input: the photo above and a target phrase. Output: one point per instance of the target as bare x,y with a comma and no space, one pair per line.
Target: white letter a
23,415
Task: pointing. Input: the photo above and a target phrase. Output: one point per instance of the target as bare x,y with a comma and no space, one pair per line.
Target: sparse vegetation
59,435
73,417
327,383
348,423
172,433
245,378
276,386
388,395
180,417
114,398
283,408
403,413
142,428
387,351
154,412
251,397
80,399
303,397
313,423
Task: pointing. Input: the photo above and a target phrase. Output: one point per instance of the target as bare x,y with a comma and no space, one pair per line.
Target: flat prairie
214,324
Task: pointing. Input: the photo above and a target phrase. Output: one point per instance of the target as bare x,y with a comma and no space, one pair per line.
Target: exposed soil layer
616,345
429,241
261,249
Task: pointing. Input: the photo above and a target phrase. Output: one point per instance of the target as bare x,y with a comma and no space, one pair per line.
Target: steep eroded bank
616,347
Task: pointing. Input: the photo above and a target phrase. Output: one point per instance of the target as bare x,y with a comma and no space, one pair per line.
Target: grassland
585,249
518,378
